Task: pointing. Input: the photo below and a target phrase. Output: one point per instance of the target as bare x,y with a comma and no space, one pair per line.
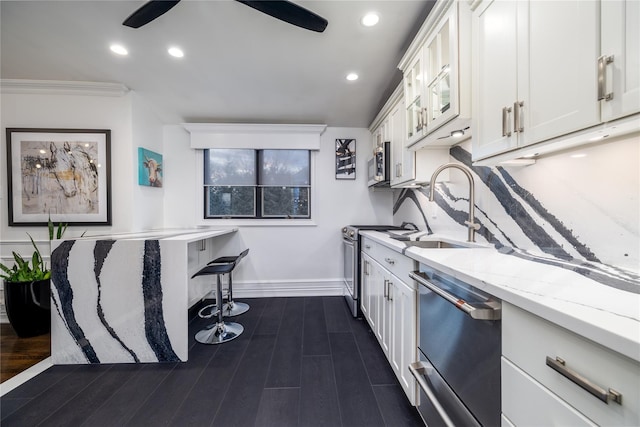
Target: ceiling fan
280,9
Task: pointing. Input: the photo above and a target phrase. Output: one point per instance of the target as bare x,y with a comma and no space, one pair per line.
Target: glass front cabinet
430,68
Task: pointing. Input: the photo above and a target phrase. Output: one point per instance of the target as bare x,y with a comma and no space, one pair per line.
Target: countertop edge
538,305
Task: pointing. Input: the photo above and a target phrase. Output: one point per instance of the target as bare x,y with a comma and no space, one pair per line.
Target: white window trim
252,222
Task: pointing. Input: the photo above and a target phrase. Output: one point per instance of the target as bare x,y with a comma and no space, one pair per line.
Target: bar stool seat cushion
215,269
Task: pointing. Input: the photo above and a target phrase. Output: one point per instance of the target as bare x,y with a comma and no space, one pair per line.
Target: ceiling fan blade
148,12
289,12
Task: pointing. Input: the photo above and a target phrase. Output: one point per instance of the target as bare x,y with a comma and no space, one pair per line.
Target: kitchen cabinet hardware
390,291
506,112
517,116
559,365
390,260
367,246
488,310
603,61
385,289
419,370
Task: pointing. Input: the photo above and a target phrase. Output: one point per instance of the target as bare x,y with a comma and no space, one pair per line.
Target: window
241,183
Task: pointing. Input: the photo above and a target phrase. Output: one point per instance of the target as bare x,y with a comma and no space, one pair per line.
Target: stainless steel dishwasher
459,349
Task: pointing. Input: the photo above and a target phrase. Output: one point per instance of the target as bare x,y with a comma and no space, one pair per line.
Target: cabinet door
557,73
402,159
377,299
413,92
365,291
441,73
387,319
494,77
620,38
403,347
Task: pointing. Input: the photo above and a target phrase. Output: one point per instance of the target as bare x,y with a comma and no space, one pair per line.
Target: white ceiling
240,65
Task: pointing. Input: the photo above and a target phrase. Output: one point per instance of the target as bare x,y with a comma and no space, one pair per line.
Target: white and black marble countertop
182,234
606,314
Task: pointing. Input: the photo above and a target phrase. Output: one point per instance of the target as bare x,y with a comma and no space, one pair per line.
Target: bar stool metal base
234,308
219,333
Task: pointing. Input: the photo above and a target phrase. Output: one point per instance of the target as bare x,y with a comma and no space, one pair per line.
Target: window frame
259,218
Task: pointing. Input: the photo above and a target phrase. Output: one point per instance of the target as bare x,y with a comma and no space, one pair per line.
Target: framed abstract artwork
149,168
345,159
62,174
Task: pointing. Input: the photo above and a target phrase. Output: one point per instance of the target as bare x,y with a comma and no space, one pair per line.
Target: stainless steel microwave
378,166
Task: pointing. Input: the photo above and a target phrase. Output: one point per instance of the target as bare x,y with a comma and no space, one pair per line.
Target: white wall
147,132
295,258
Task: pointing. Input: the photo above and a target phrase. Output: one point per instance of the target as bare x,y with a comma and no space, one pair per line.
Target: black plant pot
28,307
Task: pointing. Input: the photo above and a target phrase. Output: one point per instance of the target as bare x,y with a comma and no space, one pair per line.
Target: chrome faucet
470,223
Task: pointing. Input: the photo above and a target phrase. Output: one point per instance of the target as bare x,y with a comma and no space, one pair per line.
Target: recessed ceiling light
352,76
118,49
370,19
176,52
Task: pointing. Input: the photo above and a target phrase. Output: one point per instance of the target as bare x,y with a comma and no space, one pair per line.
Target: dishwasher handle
490,310
418,370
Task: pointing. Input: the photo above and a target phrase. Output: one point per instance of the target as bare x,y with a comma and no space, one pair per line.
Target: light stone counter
605,310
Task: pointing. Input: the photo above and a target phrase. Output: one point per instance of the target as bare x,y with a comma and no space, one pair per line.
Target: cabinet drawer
368,246
396,263
527,403
527,341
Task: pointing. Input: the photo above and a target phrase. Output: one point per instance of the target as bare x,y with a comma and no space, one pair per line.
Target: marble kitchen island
124,298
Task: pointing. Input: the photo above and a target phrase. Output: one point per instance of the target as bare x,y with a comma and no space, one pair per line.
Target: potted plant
27,290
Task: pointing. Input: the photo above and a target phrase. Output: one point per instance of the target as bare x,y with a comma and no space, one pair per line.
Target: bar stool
232,308
220,331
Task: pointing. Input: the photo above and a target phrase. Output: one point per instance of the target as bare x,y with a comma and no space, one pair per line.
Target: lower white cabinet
546,371
389,305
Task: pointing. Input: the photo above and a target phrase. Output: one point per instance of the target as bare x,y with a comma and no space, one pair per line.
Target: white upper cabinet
402,160
436,70
534,72
619,60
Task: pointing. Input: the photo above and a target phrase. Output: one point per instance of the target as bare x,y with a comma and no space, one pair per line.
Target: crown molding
56,87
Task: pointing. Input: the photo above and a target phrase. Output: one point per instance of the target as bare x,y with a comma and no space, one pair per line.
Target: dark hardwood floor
299,362
18,354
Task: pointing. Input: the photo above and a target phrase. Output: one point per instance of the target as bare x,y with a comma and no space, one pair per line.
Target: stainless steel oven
351,262
459,349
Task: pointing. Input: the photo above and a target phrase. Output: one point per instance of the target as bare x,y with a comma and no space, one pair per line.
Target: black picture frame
62,174
345,158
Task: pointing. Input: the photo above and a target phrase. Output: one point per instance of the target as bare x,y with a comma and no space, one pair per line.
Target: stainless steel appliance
459,349
379,166
351,256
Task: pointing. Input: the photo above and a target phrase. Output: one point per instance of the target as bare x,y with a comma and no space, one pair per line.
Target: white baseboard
285,288
309,288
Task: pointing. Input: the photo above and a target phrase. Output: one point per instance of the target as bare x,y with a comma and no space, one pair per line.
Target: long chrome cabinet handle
418,369
491,311
385,289
558,365
517,116
603,61
505,121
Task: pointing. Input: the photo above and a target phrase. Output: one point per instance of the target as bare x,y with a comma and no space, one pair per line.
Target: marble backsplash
578,209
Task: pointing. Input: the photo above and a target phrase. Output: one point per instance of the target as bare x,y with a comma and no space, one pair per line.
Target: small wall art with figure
62,174
149,168
345,159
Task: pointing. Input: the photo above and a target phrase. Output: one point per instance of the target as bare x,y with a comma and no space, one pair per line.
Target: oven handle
418,370
491,310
